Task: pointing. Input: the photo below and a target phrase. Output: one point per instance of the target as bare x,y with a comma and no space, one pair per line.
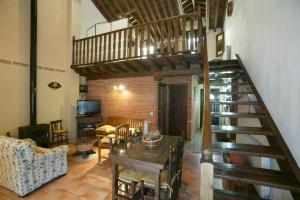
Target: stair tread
241,130
257,176
237,114
223,84
224,65
254,150
229,195
227,69
236,102
225,77
231,93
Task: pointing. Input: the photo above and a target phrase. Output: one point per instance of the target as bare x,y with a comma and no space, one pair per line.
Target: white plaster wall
89,16
266,36
211,44
54,52
14,79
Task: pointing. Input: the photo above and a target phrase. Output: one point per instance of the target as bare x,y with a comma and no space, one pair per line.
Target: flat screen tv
88,107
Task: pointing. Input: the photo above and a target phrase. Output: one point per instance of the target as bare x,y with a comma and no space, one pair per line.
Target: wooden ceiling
217,10
144,11
189,6
138,11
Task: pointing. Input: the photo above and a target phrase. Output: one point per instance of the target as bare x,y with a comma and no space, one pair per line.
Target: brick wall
139,98
137,101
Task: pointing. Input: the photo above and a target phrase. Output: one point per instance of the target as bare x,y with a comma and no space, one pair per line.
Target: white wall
266,36
14,79
89,16
55,50
53,59
211,44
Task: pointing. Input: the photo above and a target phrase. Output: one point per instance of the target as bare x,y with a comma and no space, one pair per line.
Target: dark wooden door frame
168,105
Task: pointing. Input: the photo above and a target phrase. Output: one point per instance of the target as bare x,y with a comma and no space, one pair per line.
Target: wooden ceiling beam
194,5
118,5
139,65
130,67
171,8
151,10
112,10
157,9
142,7
117,67
104,12
138,11
216,15
164,8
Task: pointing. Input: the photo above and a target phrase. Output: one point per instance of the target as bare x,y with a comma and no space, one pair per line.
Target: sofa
24,167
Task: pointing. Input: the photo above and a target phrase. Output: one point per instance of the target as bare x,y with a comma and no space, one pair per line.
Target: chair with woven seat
59,134
180,150
119,133
168,178
127,181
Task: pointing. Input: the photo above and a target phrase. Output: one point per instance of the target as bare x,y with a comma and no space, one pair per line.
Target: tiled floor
91,181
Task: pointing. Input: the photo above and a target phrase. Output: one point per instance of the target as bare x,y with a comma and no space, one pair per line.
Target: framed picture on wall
220,43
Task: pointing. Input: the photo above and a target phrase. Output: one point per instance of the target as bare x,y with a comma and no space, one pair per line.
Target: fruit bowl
152,139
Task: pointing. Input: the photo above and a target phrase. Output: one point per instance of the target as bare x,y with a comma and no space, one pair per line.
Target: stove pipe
33,60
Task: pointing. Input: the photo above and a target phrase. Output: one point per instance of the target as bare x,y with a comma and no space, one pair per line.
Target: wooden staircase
240,91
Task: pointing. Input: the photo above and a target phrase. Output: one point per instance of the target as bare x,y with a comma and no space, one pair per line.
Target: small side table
84,147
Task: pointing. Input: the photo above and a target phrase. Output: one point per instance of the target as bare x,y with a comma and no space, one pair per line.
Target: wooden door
163,103
178,110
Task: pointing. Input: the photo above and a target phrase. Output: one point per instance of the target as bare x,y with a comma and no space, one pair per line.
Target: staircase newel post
206,175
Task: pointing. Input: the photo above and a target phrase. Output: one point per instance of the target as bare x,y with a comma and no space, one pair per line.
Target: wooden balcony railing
173,35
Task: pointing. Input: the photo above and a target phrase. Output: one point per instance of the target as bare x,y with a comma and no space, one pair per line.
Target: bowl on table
152,139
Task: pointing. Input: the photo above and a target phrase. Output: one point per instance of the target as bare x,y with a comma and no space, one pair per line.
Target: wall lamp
120,87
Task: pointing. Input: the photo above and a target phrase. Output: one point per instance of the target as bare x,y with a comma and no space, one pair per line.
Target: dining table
141,158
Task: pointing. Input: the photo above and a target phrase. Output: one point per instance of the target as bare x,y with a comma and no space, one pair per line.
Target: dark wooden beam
103,11
129,67
164,8
169,62
170,8
157,9
216,14
138,11
160,75
151,10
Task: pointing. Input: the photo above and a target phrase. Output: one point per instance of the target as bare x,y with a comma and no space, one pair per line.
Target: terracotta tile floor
91,181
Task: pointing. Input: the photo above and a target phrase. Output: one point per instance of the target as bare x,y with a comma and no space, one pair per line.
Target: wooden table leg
99,149
114,180
157,185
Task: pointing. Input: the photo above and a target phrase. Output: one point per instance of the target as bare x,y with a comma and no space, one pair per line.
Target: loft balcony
170,45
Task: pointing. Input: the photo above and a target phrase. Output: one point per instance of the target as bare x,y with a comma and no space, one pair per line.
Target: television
88,107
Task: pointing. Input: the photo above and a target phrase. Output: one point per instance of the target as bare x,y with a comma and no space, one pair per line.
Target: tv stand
86,125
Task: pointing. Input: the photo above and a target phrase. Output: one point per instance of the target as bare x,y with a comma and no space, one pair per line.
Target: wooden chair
127,181
115,125
120,134
168,179
58,132
180,150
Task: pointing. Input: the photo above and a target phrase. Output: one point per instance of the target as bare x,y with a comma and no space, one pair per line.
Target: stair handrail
206,166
